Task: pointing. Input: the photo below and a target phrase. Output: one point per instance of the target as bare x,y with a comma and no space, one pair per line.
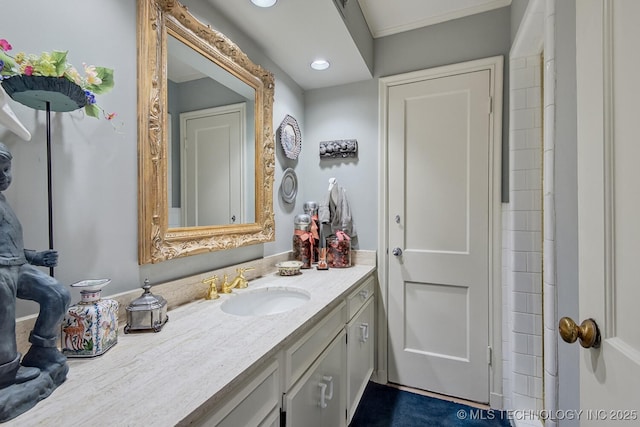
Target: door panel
439,188
608,203
423,303
431,161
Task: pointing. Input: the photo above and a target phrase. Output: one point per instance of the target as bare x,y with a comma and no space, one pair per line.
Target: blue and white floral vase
90,327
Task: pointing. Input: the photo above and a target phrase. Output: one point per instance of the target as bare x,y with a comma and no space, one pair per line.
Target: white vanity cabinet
315,374
306,367
360,343
318,398
322,374
327,370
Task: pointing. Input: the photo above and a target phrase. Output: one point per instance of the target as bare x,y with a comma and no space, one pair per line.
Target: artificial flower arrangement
95,81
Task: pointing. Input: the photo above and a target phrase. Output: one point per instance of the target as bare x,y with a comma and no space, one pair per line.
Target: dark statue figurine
24,382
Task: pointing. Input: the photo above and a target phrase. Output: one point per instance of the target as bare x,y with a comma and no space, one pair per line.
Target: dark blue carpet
384,406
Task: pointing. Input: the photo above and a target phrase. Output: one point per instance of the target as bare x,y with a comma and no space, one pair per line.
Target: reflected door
439,195
212,166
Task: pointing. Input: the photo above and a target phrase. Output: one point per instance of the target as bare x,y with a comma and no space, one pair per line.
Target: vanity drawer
255,403
299,356
357,298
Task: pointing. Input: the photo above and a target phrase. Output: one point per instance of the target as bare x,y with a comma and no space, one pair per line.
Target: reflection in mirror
205,138
211,154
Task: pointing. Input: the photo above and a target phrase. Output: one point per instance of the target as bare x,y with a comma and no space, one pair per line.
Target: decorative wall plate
289,186
290,137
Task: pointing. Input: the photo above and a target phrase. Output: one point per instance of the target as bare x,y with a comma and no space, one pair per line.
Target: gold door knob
588,332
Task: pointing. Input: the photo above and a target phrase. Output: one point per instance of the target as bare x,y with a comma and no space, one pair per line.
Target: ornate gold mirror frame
156,241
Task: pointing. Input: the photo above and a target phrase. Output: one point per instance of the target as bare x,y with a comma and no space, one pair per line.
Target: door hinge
491,105
489,355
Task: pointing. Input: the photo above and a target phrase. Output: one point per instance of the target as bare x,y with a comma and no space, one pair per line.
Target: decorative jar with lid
339,250
303,240
147,312
90,327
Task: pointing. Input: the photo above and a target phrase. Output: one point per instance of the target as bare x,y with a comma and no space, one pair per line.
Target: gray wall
351,111
473,37
94,166
95,178
345,112
518,7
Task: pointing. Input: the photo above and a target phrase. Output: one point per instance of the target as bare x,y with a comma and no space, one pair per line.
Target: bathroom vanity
307,365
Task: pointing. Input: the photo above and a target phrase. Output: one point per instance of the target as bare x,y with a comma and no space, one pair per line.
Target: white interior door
608,61
440,174
212,165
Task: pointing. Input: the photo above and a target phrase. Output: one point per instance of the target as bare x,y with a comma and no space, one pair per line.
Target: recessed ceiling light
320,64
264,3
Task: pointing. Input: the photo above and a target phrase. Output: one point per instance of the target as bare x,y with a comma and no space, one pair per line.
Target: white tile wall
523,226
529,248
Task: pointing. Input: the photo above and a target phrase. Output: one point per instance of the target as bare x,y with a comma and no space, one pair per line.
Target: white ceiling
293,33
386,17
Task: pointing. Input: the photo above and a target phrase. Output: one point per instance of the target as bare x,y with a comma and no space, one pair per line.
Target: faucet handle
241,270
226,287
241,281
212,293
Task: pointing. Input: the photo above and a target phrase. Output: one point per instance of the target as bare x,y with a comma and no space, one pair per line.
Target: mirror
205,138
210,138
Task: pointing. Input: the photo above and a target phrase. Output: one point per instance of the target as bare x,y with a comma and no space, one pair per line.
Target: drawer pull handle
323,390
364,330
330,381
364,294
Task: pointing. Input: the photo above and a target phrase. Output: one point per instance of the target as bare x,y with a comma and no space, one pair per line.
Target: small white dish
289,268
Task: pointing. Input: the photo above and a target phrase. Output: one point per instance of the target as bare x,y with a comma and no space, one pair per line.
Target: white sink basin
265,301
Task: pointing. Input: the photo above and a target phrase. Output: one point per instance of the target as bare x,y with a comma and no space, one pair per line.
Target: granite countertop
200,354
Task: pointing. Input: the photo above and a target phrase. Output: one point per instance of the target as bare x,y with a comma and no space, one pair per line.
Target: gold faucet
239,282
212,293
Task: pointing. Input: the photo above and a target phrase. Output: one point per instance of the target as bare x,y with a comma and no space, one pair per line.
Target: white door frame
495,64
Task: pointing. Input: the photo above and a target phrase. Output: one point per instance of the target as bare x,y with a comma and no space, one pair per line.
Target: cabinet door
318,399
360,348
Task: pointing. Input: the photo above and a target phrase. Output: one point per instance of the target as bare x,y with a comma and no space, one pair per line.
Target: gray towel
335,211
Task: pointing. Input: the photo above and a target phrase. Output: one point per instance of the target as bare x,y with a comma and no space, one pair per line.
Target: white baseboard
527,423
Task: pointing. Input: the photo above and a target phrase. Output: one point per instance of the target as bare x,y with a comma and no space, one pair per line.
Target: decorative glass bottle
311,209
303,240
339,250
90,327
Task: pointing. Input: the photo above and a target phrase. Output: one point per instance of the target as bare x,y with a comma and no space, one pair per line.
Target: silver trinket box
148,312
